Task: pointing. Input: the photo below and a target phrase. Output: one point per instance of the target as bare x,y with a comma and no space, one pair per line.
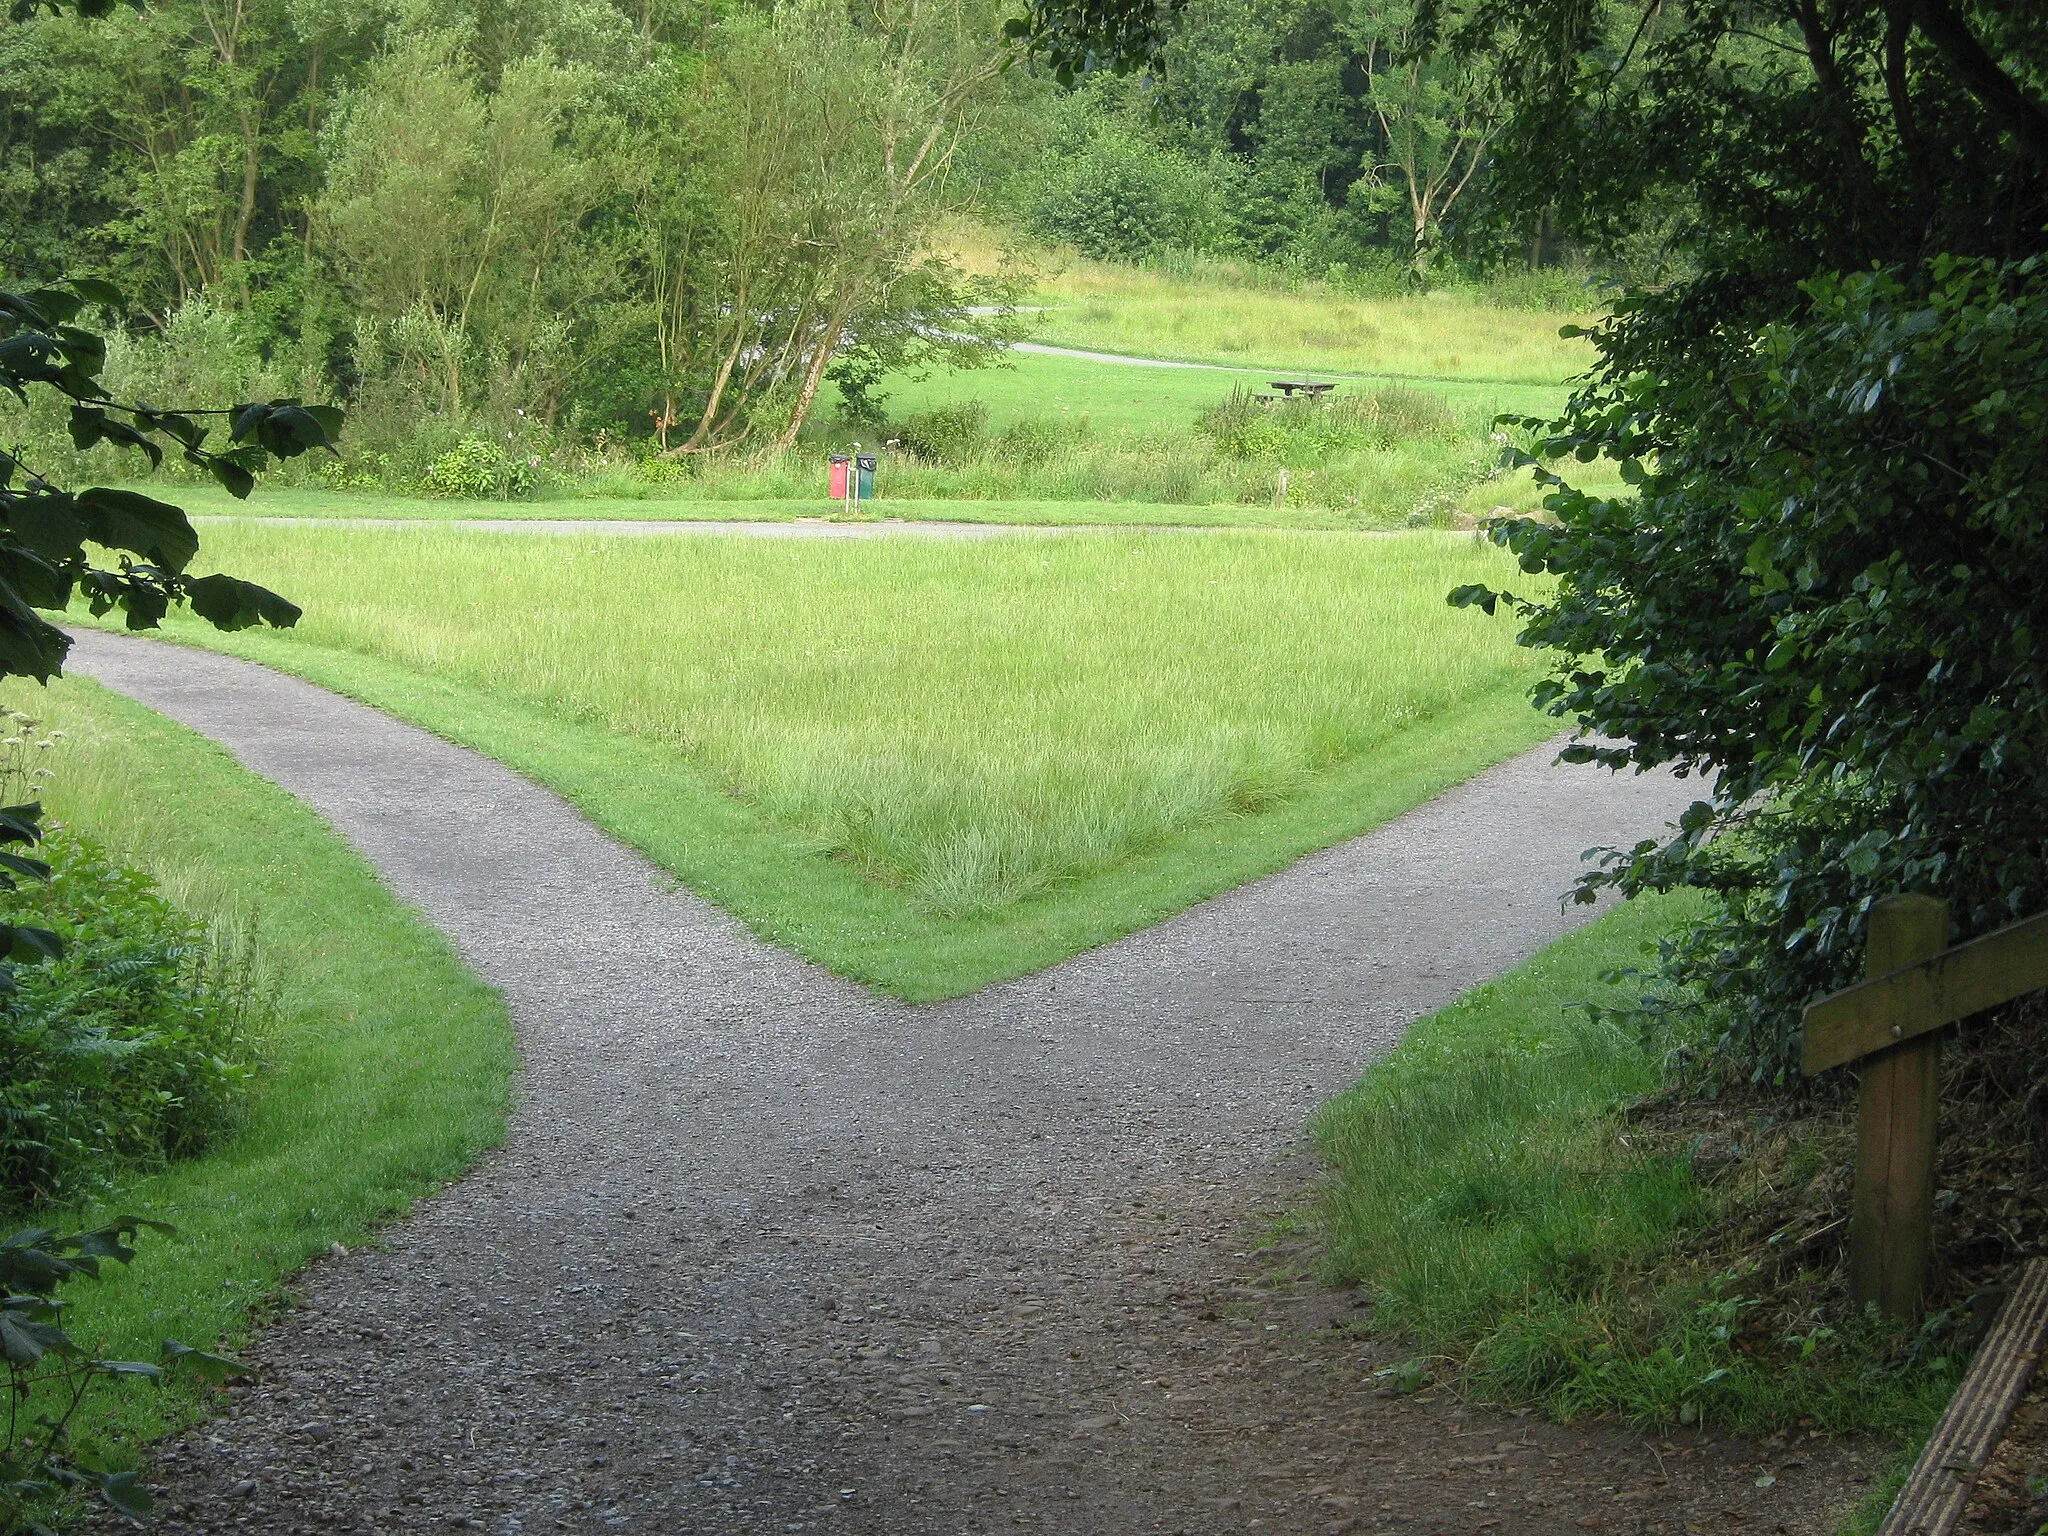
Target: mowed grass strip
389,1072
926,764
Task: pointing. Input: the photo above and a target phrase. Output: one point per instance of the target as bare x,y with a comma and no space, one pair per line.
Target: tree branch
2000,95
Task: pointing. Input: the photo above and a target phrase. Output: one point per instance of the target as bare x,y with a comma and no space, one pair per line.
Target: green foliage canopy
1820,595
1823,595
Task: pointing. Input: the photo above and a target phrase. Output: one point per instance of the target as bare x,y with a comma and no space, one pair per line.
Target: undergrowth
1515,1195
135,1046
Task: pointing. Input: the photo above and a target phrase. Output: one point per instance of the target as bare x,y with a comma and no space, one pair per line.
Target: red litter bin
841,463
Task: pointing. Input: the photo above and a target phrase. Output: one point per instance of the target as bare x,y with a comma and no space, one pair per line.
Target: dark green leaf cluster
49,1375
44,530
134,1046
1826,594
1792,137
1081,37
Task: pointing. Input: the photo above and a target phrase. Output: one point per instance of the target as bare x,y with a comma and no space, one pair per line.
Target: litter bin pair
853,478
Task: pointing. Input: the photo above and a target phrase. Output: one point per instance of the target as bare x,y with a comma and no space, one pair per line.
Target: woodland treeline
679,224
651,217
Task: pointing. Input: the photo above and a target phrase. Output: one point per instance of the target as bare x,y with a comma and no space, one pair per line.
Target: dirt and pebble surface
763,1252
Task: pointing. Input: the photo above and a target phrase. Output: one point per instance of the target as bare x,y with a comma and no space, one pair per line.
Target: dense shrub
1305,431
1118,196
134,1047
953,434
1826,595
477,469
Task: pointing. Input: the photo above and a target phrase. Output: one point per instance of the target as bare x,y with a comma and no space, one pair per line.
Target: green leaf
212,1367
234,479
47,523
130,1368
31,943
1475,596
228,603
56,304
156,530
96,290
125,1494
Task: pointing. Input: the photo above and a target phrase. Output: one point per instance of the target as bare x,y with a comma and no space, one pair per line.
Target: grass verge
1491,1195
926,766
1052,441
388,1075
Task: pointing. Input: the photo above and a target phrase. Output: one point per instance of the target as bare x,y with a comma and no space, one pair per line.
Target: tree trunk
828,343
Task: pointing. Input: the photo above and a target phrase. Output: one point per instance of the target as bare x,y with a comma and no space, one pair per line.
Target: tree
1818,592
794,228
1436,109
44,529
1809,598
492,189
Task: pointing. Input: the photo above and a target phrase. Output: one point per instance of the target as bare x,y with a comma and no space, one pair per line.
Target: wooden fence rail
1916,985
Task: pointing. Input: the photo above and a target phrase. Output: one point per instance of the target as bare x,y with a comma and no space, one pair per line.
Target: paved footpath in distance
763,1252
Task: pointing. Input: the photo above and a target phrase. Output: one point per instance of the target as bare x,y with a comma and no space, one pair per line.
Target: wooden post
1891,1223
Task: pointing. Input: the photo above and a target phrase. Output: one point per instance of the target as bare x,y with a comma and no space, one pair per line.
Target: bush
1824,595
1119,197
44,1482
477,469
134,1047
1301,431
1558,290
951,435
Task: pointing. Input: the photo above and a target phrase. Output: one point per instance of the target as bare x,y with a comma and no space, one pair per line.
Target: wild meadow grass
1235,312
384,1071
1487,1192
1449,335
971,723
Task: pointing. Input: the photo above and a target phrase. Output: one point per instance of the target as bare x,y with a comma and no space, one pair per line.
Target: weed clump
1296,432
953,434
134,1047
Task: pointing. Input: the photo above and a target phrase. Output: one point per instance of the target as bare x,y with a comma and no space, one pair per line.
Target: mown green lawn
926,764
388,1074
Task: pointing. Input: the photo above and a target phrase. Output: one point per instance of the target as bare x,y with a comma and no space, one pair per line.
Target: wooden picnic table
1291,387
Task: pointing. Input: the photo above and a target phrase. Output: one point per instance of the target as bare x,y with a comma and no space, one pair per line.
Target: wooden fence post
1898,1106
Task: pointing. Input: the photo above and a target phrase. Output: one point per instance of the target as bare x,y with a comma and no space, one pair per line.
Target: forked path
765,1253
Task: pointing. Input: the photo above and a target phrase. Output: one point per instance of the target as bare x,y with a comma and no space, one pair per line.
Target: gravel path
765,1253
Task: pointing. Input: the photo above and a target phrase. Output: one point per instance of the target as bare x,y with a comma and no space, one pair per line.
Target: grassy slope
1486,1195
1226,312
389,1077
1053,742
